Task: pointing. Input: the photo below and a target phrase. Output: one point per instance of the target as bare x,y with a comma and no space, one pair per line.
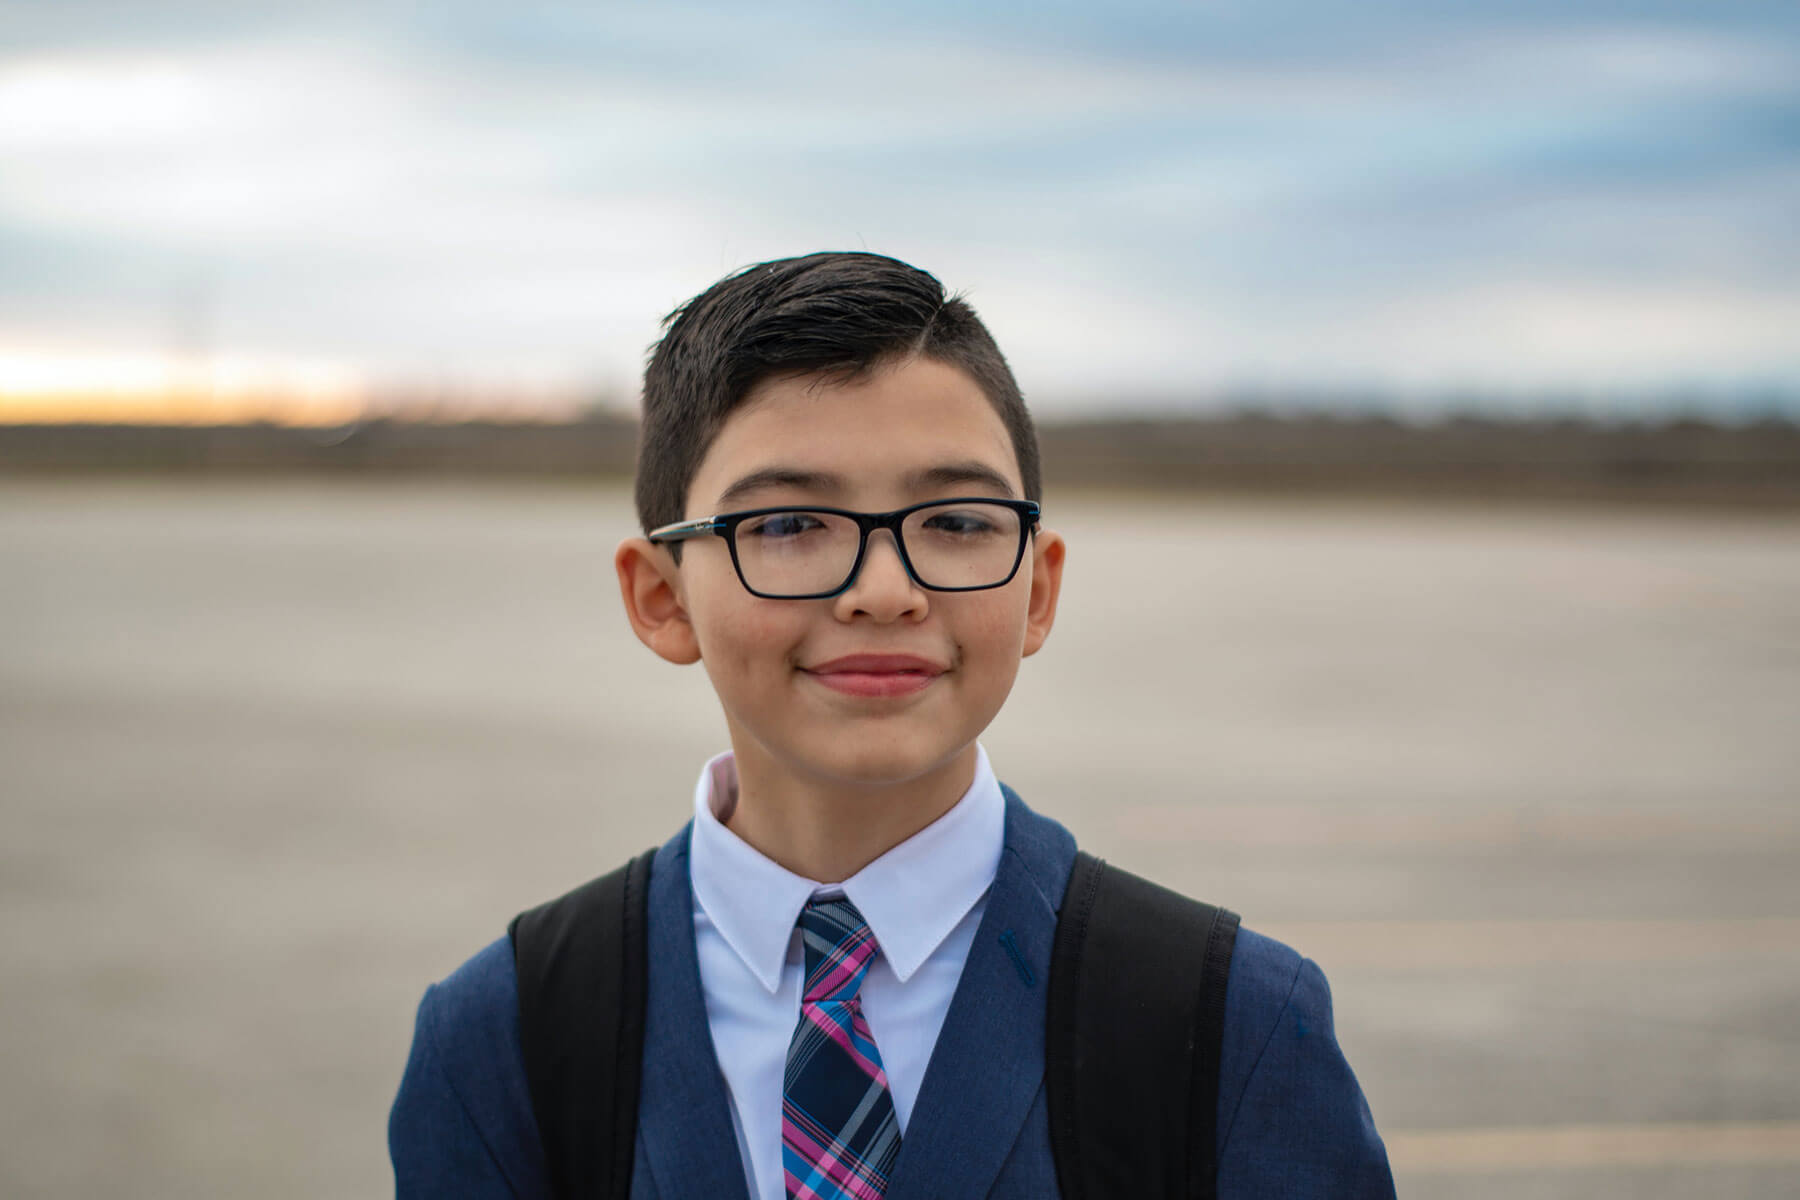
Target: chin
885,763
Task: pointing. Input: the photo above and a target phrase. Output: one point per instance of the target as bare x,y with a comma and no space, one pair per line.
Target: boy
838,483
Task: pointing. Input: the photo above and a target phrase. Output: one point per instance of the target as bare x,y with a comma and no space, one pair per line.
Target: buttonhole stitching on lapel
1011,944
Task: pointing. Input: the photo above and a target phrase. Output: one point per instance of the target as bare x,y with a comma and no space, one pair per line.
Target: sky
245,209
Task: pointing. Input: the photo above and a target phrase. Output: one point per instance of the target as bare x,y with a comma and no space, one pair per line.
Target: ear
650,586
1047,551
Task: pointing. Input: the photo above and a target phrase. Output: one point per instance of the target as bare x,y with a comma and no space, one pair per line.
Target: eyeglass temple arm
681,531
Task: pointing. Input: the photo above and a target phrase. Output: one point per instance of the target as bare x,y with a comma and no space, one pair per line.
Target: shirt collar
912,896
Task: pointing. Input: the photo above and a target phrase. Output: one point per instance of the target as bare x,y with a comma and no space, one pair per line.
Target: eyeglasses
958,545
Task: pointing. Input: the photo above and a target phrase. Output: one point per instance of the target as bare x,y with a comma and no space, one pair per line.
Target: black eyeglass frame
725,525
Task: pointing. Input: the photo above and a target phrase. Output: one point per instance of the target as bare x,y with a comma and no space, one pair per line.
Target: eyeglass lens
801,552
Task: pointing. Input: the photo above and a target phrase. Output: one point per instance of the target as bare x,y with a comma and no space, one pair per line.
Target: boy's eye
962,521
780,525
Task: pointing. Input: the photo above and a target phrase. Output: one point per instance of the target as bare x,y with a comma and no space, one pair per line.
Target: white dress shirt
923,900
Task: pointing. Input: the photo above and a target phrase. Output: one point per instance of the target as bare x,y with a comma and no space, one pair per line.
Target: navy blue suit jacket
1292,1122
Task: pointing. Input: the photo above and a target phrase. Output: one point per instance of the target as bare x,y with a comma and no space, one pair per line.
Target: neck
829,829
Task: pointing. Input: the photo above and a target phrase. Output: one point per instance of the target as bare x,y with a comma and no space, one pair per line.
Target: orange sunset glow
55,387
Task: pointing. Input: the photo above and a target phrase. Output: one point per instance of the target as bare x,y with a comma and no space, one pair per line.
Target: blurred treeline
1676,459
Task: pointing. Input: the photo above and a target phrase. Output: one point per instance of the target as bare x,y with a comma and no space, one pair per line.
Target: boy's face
910,432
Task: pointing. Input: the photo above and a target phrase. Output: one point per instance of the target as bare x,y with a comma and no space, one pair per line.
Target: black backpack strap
583,969
1135,1019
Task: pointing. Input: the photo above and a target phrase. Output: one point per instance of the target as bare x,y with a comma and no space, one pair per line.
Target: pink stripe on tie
822,1021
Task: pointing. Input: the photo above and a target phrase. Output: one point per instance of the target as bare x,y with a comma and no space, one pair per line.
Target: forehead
872,432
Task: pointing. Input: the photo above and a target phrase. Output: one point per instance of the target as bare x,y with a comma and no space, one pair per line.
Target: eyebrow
969,471
943,475
793,477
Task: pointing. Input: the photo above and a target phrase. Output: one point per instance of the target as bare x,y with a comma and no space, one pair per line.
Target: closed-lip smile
876,674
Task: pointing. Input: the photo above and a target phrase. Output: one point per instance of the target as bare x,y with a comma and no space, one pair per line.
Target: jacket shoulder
476,1006
463,1113
1292,1118
1264,973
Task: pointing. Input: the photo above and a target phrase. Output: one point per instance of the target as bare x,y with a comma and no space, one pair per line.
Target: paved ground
272,758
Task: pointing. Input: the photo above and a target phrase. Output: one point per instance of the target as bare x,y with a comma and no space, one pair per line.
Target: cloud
1164,200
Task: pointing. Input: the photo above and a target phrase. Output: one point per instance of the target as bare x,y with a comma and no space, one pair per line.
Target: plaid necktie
839,1134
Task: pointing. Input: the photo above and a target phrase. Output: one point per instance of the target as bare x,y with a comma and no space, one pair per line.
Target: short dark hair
835,313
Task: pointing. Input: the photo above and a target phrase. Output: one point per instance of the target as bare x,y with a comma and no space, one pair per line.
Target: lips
876,674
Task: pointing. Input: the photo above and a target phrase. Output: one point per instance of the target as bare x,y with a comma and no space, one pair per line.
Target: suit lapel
988,1064
684,1117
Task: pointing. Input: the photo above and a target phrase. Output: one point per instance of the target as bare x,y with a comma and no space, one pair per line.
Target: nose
882,588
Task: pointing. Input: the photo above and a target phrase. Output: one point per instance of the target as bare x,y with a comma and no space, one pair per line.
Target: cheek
995,629
746,639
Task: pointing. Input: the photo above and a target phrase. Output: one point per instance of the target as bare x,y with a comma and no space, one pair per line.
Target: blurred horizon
299,406
228,212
